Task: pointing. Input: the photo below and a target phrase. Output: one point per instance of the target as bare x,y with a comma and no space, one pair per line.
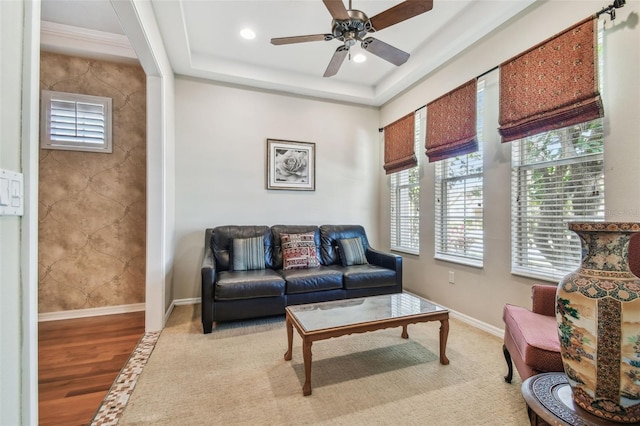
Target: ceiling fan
351,26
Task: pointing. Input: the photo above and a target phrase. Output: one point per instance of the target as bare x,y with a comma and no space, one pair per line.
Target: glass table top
339,313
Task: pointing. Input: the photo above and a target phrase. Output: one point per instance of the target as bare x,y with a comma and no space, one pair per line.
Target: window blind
451,123
552,85
399,152
557,177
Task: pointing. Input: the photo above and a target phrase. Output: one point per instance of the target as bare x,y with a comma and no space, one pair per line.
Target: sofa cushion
221,240
276,234
536,337
248,253
367,276
351,251
309,280
299,251
248,284
331,234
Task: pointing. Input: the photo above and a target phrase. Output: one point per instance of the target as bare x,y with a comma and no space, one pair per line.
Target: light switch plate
11,193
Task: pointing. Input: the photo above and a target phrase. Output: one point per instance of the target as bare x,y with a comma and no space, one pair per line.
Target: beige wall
221,140
482,292
92,205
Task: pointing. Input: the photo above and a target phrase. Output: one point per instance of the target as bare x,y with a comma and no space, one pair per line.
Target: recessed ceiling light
359,58
247,34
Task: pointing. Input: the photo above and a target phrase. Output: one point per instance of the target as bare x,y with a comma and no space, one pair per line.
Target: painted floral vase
598,313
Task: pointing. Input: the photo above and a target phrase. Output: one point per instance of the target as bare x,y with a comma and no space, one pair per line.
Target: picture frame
291,165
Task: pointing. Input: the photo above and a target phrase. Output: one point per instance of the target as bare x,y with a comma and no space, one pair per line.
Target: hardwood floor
78,360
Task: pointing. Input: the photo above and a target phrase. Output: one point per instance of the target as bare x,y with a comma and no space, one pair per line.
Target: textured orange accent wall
92,218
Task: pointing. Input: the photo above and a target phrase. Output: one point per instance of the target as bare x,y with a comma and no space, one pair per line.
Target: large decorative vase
598,313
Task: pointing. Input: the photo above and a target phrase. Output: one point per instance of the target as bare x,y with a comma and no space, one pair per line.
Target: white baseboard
180,302
477,324
457,315
91,312
470,320
121,309
167,314
191,301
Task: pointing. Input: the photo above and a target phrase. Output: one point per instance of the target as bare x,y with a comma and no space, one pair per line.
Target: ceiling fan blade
301,39
400,12
385,51
336,61
336,9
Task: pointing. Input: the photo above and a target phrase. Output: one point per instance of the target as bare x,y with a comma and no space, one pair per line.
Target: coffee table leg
289,325
306,355
405,335
444,334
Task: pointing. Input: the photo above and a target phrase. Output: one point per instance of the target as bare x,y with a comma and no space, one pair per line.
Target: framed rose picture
291,165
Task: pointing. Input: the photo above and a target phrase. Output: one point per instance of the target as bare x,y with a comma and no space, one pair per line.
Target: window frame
524,260
573,249
443,237
76,143
407,180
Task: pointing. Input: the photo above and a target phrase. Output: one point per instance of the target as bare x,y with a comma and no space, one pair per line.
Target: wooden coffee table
319,321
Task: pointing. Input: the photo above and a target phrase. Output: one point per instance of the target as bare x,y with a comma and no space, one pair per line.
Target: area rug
238,375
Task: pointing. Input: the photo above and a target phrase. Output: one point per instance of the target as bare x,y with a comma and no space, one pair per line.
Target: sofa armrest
386,260
543,299
208,272
380,258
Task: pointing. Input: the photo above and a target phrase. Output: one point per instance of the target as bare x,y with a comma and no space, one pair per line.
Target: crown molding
84,42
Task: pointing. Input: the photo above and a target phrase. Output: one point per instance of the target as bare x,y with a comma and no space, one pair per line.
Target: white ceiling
202,40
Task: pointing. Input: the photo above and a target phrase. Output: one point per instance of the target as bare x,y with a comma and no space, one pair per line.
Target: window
556,177
405,199
459,197
75,122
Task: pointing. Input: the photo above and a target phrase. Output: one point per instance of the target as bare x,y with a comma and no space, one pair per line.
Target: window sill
406,251
538,277
460,261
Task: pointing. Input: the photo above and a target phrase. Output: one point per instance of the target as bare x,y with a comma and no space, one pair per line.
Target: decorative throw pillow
351,251
247,253
299,251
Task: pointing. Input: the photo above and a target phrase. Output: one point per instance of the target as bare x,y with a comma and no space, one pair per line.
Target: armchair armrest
543,298
208,272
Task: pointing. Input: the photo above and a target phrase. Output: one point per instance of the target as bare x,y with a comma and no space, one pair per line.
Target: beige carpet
237,375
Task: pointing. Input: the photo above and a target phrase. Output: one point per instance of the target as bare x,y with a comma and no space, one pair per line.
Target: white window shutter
76,122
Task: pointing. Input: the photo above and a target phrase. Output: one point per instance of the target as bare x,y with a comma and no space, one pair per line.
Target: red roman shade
399,153
451,123
551,85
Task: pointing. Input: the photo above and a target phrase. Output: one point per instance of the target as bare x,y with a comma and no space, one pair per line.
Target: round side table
550,402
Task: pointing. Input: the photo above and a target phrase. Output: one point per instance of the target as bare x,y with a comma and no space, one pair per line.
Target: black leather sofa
233,295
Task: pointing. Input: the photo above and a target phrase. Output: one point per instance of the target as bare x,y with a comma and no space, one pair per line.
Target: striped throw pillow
248,253
351,251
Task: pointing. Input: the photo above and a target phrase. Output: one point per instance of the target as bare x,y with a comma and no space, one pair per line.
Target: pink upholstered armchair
531,336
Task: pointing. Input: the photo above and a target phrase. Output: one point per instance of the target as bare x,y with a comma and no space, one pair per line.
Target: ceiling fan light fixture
359,58
247,34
